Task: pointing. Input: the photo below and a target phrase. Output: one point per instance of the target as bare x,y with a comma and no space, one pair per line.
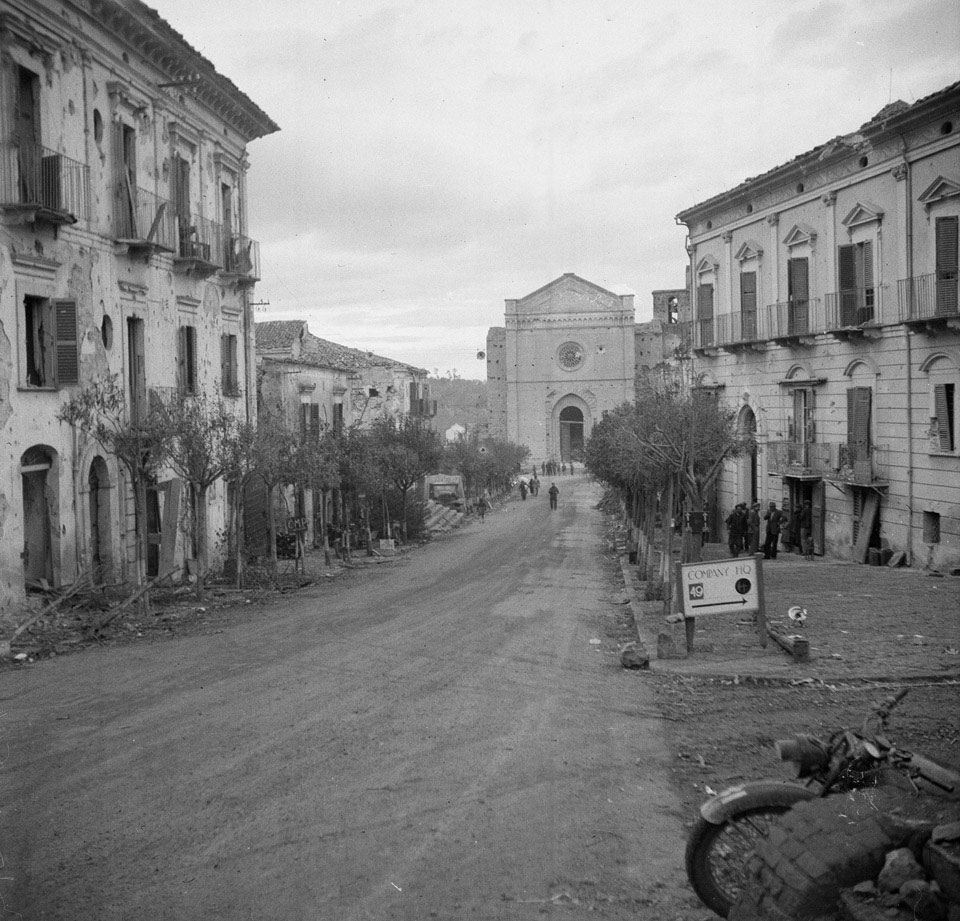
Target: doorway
747,427
98,482
571,434
38,486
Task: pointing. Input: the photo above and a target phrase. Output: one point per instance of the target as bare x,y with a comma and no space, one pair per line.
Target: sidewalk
863,623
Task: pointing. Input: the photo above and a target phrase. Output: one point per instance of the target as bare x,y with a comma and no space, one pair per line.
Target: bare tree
100,411
199,434
406,450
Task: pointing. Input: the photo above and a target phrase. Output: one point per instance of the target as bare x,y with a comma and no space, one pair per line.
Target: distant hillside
460,401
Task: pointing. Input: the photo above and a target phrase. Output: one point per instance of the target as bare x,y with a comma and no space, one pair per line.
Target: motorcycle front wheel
717,854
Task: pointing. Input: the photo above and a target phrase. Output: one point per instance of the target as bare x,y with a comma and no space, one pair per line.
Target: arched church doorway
571,434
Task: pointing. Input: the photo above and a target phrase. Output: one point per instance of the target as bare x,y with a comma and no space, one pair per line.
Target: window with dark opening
187,360
50,342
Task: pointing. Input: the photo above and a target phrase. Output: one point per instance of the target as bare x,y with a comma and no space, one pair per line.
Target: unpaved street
434,737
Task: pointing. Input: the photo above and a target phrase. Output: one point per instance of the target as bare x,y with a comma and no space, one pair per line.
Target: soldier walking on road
554,492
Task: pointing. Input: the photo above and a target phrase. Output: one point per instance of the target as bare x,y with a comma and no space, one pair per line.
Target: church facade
567,353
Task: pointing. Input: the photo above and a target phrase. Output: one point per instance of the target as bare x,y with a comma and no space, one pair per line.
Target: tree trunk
142,539
324,527
200,536
239,533
271,530
650,529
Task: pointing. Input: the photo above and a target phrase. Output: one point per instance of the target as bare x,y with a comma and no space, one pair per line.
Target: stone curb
643,611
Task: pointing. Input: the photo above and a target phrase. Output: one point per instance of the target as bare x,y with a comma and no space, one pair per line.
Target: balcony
853,311
241,258
837,462
731,331
795,321
143,222
199,250
41,185
930,301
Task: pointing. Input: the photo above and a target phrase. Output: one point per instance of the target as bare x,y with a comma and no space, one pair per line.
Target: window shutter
234,366
705,302
847,268
947,258
225,383
748,305
847,272
68,364
943,401
868,265
304,409
315,421
121,198
182,347
858,420
798,279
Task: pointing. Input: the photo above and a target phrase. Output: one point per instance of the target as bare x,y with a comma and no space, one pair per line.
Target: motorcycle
735,822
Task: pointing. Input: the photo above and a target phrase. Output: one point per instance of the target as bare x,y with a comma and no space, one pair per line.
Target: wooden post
689,622
761,610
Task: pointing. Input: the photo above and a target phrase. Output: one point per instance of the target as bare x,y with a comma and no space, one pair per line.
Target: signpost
724,586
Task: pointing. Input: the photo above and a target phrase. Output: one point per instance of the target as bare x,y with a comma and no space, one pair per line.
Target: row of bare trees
663,454
485,463
201,441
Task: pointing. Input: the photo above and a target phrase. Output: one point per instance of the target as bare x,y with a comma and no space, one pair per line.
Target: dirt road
436,737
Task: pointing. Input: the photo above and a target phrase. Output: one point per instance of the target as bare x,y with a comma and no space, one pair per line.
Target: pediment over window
750,249
799,234
707,264
864,212
942,187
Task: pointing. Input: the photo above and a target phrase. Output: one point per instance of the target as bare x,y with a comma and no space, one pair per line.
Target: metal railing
35,176
854,307
200,239
838,461
794,317
241,256
926,297
142,217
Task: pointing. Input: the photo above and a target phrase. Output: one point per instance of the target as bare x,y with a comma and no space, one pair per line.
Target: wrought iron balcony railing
241,256
929,297
141,218
855,307
731,329
795,317
38,179
199,240
836,461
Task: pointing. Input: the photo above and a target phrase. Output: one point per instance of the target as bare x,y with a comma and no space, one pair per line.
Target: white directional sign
719,586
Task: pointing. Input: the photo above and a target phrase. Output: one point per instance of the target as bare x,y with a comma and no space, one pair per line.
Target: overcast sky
436,158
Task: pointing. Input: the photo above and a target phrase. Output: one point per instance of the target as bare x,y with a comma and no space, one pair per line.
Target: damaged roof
172,54
275,336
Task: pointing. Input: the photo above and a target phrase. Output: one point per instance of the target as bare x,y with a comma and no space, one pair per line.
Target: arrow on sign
718,604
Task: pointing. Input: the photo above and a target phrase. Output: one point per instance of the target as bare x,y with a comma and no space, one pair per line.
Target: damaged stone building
317,385
123,251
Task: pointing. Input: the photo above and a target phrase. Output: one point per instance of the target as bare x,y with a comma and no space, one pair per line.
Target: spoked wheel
717,855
